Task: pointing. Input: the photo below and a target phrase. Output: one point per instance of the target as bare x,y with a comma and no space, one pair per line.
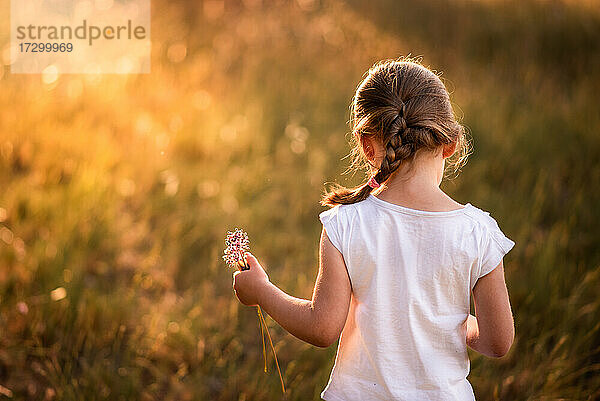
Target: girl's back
412,273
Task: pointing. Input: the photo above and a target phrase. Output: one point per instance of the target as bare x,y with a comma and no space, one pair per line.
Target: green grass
120,190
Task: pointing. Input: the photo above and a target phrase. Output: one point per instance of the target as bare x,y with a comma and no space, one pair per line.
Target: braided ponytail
406,107
398,148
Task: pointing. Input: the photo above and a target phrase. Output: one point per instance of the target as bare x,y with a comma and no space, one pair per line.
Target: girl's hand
249,284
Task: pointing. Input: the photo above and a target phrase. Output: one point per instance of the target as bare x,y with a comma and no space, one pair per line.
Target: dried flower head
236,244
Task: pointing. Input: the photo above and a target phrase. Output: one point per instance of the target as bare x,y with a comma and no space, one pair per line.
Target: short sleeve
494,246
331,221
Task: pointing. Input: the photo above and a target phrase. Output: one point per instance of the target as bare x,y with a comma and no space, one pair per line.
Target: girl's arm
492,331
318,321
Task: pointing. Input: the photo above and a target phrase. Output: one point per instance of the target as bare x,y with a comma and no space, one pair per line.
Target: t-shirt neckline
416,212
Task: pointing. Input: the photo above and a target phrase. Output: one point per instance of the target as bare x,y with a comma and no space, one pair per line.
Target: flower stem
264,324
262,336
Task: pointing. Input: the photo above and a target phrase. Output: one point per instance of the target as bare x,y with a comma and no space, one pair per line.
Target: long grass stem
262,336
262,319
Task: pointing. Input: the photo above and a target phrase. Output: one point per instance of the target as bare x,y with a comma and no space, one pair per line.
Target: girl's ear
367,145
449,150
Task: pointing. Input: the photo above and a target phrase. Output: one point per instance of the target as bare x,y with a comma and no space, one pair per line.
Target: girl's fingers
251,260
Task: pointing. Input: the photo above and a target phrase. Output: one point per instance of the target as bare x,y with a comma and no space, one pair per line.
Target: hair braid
398,147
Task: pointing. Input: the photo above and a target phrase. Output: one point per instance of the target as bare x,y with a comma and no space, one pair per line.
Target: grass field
116,192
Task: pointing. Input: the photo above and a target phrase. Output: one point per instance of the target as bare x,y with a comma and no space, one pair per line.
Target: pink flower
236,243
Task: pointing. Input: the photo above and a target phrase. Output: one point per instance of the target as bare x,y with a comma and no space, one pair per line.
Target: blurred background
116,192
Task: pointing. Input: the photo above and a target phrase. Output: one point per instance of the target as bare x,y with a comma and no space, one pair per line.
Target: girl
399,258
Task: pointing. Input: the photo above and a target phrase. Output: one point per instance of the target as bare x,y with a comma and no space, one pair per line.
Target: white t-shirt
412,273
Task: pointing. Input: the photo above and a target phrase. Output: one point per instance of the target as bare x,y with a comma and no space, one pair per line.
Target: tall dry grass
117,191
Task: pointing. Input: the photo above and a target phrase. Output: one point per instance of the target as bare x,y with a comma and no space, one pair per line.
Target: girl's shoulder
480,216
489,228
339,212
338,221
